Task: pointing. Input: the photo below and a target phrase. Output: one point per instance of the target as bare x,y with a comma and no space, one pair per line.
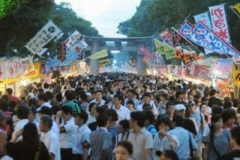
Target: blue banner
214,42
186,30
204,18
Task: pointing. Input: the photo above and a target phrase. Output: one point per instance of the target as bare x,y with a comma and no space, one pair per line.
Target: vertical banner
214,42
166,36
44,36
219,22
204,18
72,39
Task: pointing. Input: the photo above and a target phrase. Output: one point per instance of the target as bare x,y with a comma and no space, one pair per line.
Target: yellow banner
100,54
159,47
237,8
104,62
236,75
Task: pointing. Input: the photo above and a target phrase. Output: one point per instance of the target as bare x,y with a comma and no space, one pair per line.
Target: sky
105,15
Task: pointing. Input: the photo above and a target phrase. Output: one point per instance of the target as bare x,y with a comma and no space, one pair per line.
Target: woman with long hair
217,142
30,148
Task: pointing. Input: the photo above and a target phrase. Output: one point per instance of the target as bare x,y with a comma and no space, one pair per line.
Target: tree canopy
64,16
19,25
153,16
139,24
9,6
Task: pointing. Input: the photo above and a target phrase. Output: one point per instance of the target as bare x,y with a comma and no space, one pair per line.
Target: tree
68,21
139,24
18,28
10,6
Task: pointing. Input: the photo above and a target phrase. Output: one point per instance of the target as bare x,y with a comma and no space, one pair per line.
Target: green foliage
153,16
139,24
68,21
9,6
18,28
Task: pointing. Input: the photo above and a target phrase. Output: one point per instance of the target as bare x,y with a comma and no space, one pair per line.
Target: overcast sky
105,15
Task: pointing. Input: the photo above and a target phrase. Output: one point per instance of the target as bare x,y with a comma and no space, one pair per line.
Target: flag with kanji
181,41
166,36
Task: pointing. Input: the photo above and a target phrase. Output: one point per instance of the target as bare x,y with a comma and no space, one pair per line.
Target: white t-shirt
141,142
68,139
140,108
55,129
123,113
51,140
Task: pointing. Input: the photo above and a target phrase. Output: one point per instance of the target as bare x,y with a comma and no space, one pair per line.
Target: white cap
88,94
164,91
179,107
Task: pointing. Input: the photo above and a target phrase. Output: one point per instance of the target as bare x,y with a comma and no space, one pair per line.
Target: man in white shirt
22,114
81,148
122,111
98,100
131,96
146,99
49,138
140,138
47,111
67,134
43,101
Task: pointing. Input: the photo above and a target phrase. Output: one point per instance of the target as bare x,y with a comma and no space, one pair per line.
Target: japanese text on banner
45,35
219,22
202,73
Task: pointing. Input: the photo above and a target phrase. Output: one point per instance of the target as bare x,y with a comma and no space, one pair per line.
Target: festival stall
221,77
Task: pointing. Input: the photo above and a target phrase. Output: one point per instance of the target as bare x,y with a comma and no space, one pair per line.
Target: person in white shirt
22,114
81,148
146,100
130,96
122,111
67,134
47,111
140,138
43,101
49,138
98,100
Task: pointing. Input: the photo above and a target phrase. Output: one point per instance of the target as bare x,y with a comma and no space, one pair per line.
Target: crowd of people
118,116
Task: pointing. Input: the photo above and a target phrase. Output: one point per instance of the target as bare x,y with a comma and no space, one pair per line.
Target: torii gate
95,41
